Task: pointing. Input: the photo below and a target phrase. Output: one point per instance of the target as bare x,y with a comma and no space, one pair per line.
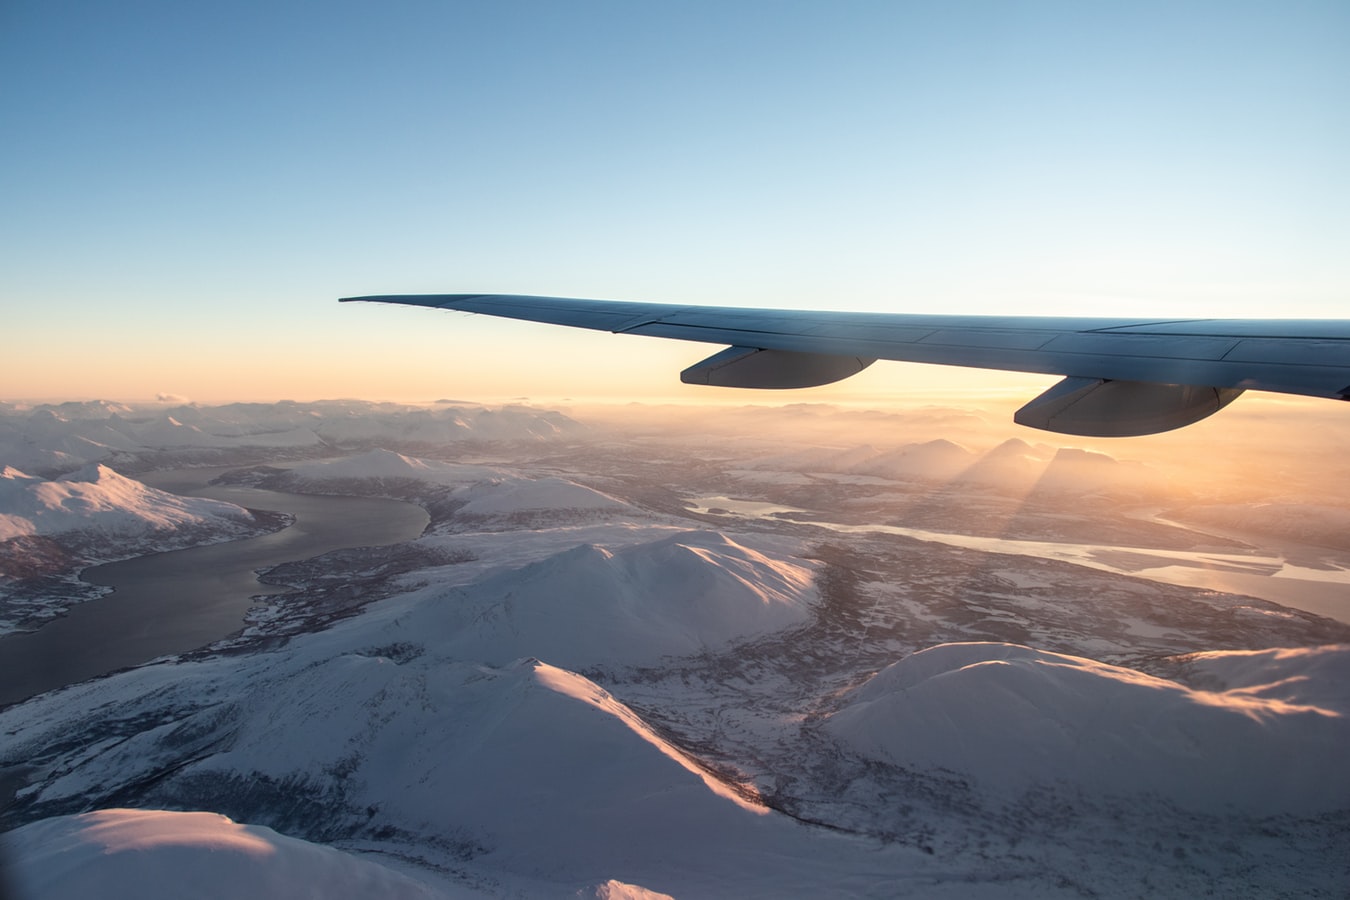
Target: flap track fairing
750,367
1097,407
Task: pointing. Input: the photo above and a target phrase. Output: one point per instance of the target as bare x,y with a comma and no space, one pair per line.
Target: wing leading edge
1121,376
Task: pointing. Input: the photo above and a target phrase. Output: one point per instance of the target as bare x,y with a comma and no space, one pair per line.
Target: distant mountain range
54,438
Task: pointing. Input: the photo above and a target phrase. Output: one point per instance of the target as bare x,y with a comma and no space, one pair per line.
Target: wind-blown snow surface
1014,718
148,854
96,500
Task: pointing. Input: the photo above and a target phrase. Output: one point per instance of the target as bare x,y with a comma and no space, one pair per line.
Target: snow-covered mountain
95,500
44,439
936,460
512,494
589,606
388,465
480,490
1015,718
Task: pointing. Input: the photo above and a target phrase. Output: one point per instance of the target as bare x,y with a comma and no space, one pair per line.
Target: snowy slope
526,771
237,425
1304,676
1085,473
513,494
127,854
535,778
467,748
1013,718
937,460
591,606
1012,465
387,464
96,499
45,439
388,732
166,432
482,490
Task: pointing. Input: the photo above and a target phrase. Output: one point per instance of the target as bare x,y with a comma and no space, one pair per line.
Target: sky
188,188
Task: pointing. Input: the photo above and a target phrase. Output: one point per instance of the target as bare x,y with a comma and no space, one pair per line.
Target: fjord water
173,602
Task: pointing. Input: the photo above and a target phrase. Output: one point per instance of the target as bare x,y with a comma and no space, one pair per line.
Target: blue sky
187,188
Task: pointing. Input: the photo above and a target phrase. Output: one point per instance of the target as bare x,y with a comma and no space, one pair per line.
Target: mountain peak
97,473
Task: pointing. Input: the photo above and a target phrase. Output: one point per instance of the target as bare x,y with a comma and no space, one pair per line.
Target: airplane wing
1121,376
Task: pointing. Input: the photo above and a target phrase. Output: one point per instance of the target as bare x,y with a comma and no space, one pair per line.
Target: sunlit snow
128,854
97,499
1014,717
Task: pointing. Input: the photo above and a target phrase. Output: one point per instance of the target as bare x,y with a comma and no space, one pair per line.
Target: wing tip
406,299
